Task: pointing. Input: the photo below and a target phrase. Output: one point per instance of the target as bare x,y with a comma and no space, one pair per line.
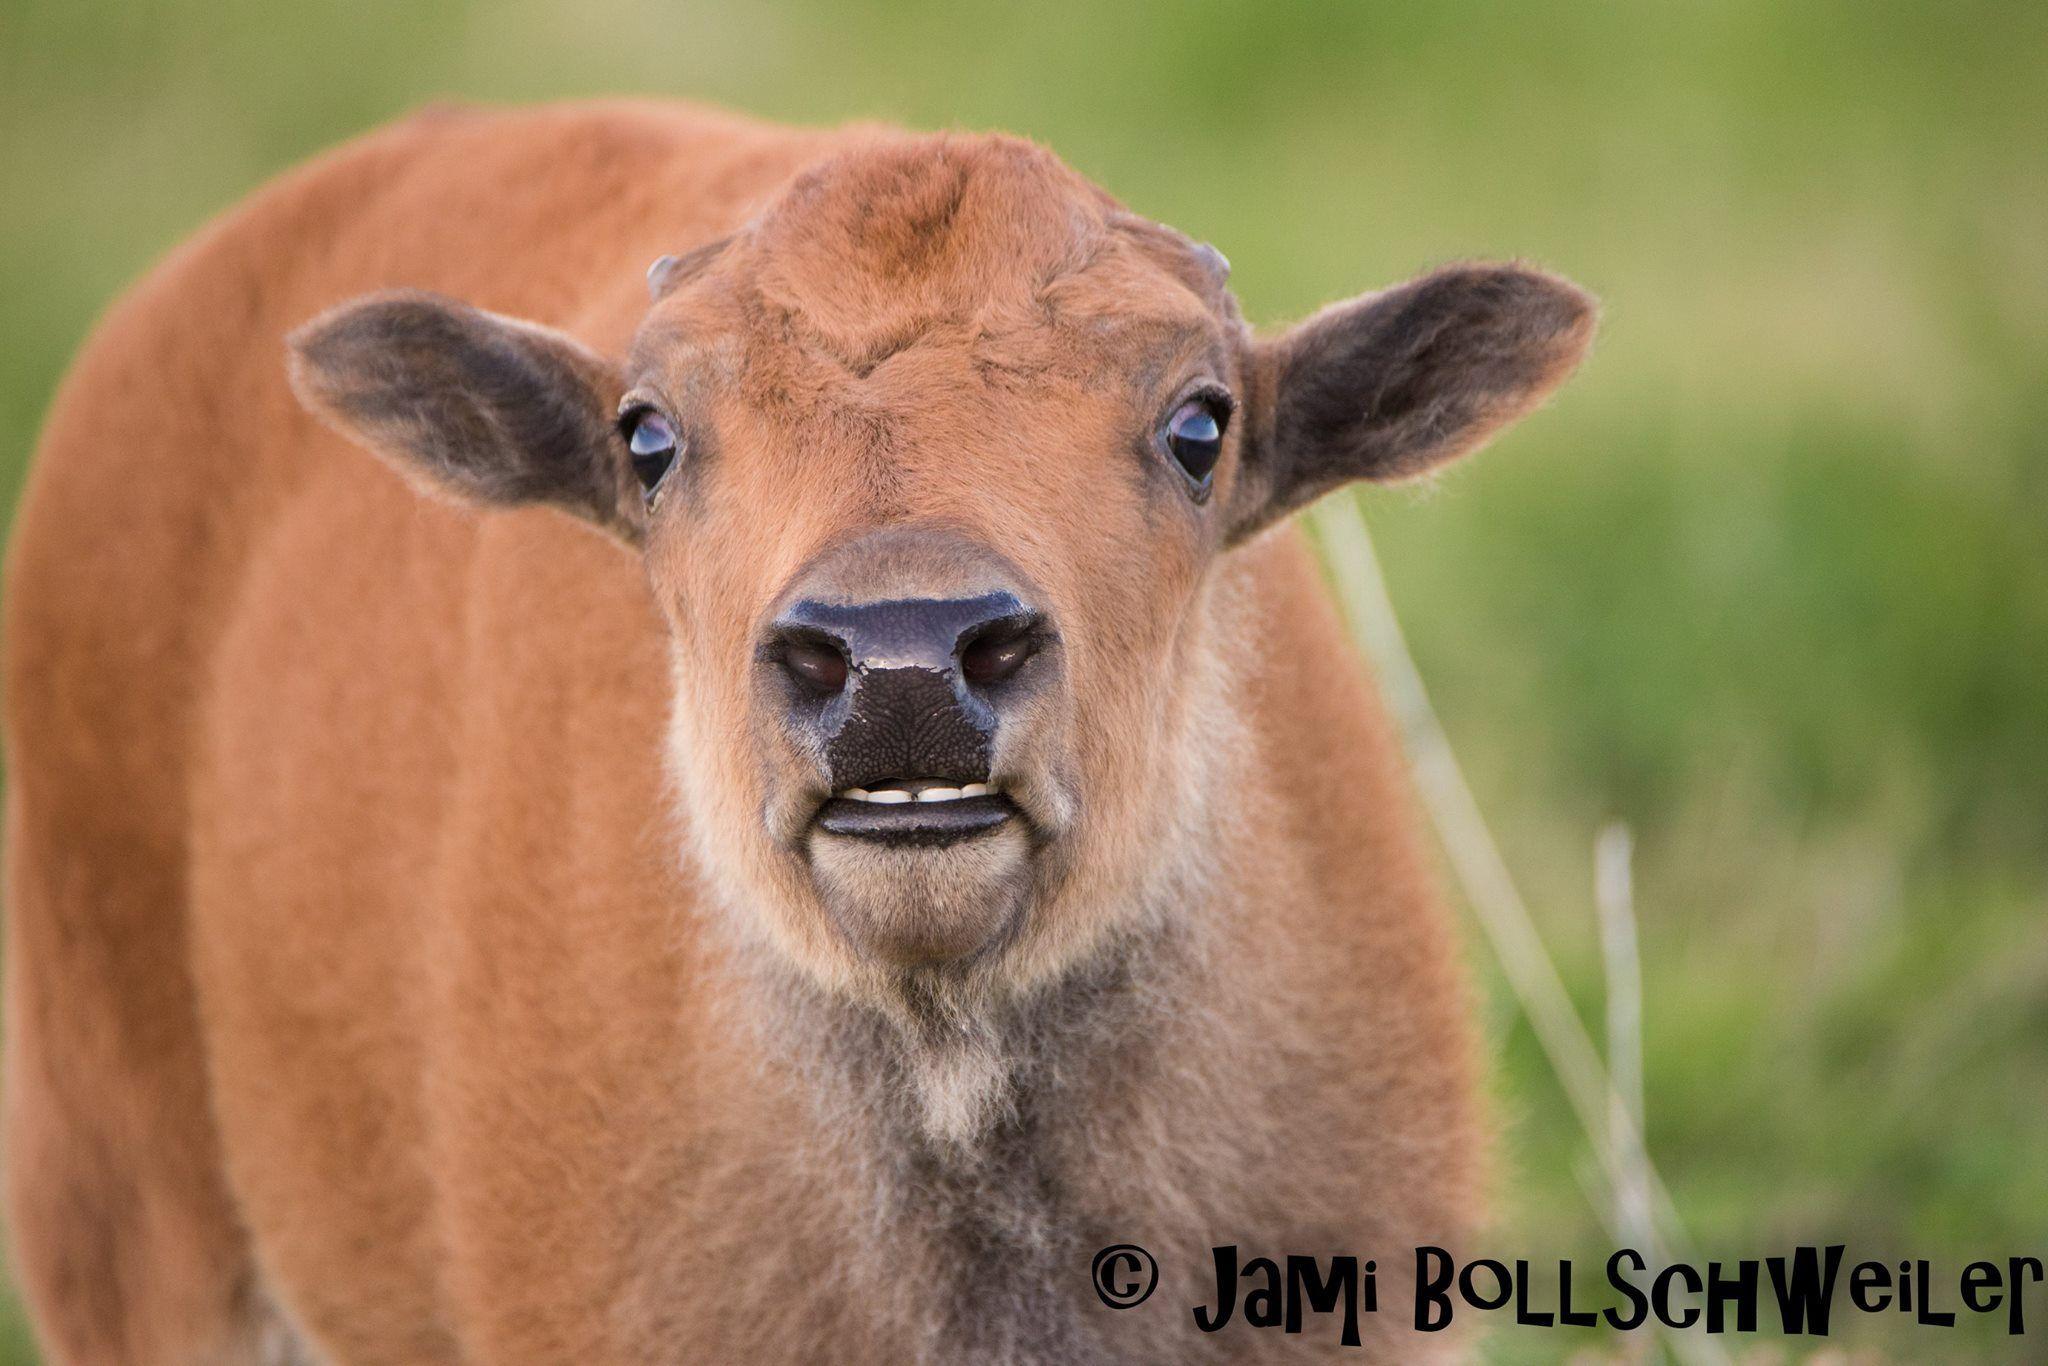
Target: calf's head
930,467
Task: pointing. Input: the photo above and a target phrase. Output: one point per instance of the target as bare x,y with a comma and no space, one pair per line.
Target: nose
906,688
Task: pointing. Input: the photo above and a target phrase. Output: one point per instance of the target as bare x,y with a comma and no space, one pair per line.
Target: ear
488,409
1390,385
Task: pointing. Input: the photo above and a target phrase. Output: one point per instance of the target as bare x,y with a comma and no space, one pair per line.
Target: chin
918,903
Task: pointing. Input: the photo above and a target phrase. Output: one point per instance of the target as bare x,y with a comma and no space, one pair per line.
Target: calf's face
929,466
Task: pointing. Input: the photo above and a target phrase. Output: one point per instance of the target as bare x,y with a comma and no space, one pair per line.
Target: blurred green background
1768,582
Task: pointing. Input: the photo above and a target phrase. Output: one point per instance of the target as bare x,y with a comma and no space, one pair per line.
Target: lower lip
923,824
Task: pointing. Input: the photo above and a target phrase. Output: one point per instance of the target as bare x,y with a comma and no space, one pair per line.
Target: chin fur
908,907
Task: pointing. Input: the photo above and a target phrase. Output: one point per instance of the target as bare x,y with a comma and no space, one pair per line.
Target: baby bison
767,823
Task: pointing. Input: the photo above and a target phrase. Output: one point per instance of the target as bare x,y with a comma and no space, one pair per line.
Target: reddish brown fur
364,999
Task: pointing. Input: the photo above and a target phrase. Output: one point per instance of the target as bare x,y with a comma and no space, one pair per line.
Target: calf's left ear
485,408
1394,384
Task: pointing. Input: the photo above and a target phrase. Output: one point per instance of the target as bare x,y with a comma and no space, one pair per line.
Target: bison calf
760,809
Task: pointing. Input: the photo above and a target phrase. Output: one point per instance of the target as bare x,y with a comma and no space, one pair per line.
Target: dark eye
1194,436
651,441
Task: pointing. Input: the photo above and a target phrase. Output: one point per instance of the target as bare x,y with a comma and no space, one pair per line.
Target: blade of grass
1614,897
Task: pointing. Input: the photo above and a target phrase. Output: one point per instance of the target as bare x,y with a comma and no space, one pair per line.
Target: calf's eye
651,441
1194,436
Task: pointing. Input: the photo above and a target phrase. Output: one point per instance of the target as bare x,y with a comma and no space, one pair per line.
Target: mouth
922,812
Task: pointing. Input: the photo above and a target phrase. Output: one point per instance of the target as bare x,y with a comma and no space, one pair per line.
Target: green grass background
1769,582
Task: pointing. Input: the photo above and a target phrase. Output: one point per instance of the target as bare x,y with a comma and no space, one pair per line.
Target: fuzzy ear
486,408
1391,385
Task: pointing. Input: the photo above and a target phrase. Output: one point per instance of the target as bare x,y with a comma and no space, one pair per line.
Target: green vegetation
1769,582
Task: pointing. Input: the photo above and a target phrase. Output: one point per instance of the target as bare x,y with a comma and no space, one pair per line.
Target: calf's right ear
485,408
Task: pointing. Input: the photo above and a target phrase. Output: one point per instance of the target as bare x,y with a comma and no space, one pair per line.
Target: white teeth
890,796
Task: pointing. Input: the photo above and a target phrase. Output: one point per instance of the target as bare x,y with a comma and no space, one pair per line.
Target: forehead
984,255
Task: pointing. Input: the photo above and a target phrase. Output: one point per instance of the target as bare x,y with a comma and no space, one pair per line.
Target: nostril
815,664
995,652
